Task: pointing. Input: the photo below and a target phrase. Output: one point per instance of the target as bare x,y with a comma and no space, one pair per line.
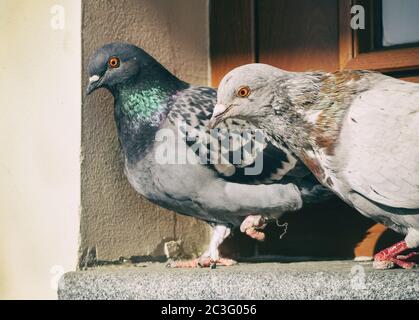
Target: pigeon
157,118
355,130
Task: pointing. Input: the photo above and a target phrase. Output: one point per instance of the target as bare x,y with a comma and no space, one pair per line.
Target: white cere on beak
219,109
94,78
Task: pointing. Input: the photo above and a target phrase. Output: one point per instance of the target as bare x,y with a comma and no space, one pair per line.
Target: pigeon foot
203,262
253,225
210,258
392,263
390,258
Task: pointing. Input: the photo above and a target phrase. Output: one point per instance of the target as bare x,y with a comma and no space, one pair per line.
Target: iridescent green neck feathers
141,104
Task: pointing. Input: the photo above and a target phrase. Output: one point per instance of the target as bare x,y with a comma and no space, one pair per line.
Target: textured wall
114,219
40,146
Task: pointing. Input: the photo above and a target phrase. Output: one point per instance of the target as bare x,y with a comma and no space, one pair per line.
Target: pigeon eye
114,62
243,92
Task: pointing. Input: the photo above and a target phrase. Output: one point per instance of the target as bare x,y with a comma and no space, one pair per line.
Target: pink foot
201,263
255,234
252,226
207,262
390,258
184,264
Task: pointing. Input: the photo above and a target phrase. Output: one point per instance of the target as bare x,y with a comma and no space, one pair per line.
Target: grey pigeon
357,131
150,100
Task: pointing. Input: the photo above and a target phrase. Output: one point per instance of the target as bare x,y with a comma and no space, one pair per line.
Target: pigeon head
243,93
116,63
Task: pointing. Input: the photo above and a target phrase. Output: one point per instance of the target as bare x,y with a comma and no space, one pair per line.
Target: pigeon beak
217,115
93,84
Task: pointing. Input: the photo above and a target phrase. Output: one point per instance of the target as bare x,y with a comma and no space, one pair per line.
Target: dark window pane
400,22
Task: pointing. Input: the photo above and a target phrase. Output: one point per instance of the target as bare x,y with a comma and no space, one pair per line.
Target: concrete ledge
302,280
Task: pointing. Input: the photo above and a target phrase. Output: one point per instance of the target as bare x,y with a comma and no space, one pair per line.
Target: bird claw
208,262
255,234
392,263
383,265
390,258
183,264
203,262
411,256
213,264
252,226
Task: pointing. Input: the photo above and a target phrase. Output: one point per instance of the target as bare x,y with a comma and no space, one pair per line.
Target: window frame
386,60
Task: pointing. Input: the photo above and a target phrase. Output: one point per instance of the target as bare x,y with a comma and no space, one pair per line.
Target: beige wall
40,126
40,141
115,221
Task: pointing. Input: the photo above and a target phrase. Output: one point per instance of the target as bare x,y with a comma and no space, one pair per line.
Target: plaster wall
115,221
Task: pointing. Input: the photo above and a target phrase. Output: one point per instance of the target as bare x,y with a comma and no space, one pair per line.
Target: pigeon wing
234,162
380,134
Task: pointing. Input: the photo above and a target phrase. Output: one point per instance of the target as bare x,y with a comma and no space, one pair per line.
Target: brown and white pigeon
357,131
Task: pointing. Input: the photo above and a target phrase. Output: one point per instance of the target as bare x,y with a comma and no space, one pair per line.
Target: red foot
391,263
392,251
403,264
390,257
411,256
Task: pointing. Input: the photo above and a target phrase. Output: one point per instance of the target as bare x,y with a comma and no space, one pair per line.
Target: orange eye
243,92
114,62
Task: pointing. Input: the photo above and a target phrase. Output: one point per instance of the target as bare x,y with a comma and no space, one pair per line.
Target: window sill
302,280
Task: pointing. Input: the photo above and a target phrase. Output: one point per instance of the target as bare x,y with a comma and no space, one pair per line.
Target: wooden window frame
350,57
232,34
